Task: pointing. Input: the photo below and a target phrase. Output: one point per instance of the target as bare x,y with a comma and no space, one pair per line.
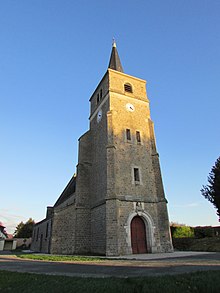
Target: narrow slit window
138,136
100,94
34,235
47,229
98,98
128,134
136,175
37,234
128,88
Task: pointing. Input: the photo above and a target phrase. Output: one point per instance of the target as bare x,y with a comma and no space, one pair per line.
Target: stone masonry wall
63,230
41,236
112,221
98,230
164,228
83,230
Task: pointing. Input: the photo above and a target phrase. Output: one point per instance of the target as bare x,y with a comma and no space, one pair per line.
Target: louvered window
128,87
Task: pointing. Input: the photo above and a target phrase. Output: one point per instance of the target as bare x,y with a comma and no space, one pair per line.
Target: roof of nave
68,191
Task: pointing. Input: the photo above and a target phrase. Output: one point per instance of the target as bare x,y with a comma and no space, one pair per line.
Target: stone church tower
115,205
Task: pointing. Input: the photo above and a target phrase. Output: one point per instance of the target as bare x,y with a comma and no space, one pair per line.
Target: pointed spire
115,62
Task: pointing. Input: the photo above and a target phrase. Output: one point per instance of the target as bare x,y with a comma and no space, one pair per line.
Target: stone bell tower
128,205
115,205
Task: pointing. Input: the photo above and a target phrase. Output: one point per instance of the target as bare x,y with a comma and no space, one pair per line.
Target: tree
212,190
24,230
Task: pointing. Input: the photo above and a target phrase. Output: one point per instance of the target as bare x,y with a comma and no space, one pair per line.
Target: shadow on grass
25,282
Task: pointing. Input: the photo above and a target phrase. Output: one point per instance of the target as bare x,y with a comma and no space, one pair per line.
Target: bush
182,232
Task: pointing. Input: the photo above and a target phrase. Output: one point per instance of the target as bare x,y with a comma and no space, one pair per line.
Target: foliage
24,230
212,190
202,282
183,231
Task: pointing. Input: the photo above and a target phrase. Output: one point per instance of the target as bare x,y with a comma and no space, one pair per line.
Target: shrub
182,232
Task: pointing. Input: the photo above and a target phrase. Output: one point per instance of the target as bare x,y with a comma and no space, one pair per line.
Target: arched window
128,88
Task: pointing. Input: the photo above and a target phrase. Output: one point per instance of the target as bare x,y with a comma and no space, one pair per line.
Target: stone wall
98,230
23,242
63,230
41,236
99,165
164,228
83,231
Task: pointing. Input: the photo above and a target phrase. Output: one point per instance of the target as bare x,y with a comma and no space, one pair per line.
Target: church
115,204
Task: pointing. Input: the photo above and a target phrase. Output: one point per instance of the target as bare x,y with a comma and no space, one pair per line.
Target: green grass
49,257
194,282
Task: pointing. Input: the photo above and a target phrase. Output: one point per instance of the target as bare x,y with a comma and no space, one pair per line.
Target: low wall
2,243
211,244
23,242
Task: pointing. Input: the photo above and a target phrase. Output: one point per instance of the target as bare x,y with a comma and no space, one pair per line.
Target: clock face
130,107
99,116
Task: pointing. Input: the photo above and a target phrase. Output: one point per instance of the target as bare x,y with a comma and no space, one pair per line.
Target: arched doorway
138,235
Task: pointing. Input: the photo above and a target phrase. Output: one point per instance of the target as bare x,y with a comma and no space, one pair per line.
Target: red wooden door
138,236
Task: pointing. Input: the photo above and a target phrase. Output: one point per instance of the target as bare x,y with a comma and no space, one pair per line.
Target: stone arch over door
149,230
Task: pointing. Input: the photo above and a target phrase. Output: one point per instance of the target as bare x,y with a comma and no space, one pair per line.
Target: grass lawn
195,282
50,257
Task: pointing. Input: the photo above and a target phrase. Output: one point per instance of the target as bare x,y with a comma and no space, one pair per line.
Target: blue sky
53,54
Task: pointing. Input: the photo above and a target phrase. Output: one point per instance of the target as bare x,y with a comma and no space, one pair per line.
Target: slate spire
115,62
